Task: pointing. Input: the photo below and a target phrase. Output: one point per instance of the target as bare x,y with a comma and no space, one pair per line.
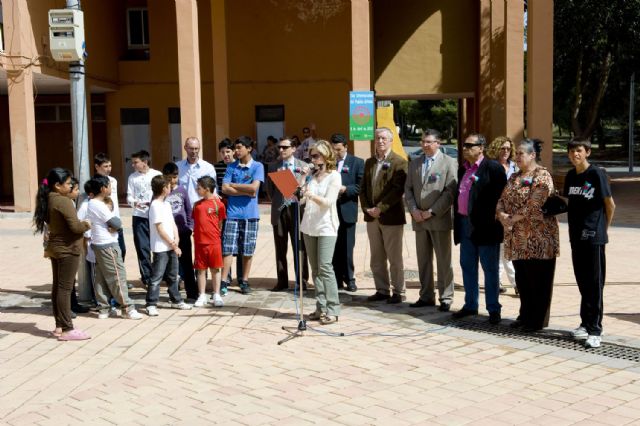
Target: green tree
596,48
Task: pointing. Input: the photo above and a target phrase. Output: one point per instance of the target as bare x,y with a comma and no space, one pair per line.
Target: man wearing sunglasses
476,229
282,214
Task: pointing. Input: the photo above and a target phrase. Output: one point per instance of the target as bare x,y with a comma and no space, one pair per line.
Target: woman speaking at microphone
320,230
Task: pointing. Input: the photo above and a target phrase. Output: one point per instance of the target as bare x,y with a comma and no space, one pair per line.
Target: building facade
161,70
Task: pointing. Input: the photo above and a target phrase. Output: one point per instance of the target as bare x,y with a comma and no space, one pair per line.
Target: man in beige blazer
429,193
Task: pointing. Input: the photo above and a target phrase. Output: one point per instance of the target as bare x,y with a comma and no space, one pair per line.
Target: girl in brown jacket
56,209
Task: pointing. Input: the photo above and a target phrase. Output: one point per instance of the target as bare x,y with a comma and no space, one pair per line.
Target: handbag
554,205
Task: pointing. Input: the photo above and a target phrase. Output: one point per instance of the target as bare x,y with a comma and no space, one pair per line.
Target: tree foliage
441,115
596,49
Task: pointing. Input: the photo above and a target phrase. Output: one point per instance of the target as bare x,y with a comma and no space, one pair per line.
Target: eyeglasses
470,145
284,146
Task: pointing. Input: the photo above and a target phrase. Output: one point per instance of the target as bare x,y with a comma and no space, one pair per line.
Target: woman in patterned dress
531,239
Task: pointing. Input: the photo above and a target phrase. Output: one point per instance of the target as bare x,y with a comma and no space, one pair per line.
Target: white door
265,129
135,137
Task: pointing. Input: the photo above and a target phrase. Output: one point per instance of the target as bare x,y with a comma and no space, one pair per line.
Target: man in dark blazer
381,194
351,170
429,191
282,214
476,229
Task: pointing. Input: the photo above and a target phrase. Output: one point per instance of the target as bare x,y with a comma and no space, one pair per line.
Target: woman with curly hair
55,209
502,150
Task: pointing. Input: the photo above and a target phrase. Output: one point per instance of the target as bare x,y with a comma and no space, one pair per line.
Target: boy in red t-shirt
208,215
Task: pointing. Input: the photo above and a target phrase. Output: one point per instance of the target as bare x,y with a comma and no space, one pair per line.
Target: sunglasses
284,146
470,145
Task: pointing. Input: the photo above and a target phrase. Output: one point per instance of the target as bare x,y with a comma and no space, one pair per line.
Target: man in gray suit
429,192
283,217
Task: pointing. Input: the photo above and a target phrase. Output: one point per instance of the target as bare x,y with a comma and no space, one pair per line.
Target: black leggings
534,278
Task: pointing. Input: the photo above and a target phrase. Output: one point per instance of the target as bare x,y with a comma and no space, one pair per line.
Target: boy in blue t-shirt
241,185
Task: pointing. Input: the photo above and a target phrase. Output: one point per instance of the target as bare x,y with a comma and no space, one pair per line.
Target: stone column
540,75
19,46
220,70
189,69
514,69
361,60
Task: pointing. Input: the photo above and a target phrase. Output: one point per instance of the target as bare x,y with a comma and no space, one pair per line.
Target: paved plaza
380,364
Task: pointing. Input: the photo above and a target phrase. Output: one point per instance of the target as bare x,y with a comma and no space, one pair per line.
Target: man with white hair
193,168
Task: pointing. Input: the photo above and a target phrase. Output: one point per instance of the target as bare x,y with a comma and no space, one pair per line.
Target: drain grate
547,337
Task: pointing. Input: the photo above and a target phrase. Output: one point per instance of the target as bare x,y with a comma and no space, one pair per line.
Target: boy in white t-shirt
111,278
165,242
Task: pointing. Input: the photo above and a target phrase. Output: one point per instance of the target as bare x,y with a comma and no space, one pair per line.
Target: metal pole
632,101
80,146
79,115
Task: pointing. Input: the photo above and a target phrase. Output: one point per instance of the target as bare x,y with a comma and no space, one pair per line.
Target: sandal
328,319
55,333
73,335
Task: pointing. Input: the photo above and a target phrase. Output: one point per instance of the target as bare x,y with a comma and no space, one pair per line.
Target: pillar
500,102
189,69
19,46
540,75
514,69
361,60
220,70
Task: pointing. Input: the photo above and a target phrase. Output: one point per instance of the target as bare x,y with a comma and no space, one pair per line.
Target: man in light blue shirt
193,168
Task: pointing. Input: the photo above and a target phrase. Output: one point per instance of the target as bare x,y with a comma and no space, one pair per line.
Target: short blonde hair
324,148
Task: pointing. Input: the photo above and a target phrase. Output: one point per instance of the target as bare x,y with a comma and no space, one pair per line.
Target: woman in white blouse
320,230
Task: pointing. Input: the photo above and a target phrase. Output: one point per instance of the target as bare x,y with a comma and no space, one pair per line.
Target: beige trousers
385,242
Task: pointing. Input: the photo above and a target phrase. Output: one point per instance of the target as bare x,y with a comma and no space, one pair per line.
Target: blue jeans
165,264
489,257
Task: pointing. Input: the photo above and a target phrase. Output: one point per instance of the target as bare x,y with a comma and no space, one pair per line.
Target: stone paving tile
223,365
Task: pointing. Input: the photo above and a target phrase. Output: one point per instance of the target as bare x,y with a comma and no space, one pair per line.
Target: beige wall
423,48
275,57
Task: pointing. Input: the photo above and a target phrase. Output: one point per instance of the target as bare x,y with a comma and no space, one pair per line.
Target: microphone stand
293,332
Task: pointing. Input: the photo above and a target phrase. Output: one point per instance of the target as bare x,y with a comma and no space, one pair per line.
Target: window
134,116
52,113
137,28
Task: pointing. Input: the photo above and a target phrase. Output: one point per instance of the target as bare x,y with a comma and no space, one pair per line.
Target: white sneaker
592,342
202,299
181,306
135,315
152,311
217,301
112,312
580,333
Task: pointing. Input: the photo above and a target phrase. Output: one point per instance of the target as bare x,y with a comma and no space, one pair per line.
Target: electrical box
66,34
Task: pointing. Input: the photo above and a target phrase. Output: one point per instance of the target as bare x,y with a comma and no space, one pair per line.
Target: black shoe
352,287
464,313
280,288
530,329
80,309
444,307
245,288
73,315
494,318
396,298
503,290
421,303
377,297
516,324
